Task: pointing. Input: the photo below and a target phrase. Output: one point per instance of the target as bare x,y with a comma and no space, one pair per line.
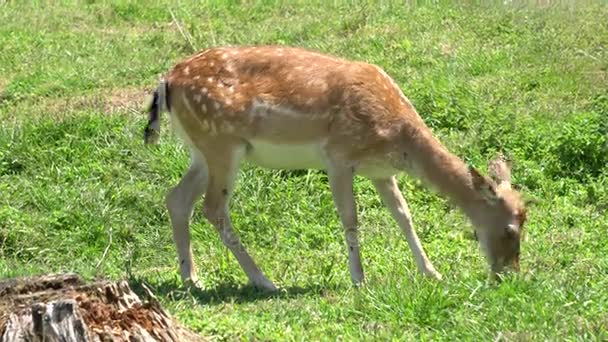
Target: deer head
500,216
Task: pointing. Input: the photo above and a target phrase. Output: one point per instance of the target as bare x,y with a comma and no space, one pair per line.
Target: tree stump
65,308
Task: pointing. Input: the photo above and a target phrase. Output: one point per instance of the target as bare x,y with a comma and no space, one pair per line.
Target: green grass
528,80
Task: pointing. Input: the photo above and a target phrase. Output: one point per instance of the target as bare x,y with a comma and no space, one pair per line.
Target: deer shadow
222,293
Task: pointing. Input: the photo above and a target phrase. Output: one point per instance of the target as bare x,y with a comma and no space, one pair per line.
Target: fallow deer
293,108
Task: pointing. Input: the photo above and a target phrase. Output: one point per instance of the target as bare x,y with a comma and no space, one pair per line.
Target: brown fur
225,98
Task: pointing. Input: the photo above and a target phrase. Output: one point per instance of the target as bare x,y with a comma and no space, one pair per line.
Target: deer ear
484,186
500,170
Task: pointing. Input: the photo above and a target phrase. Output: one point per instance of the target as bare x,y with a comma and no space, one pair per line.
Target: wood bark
64,308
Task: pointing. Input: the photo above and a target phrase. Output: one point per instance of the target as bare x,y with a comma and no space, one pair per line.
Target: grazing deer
290,108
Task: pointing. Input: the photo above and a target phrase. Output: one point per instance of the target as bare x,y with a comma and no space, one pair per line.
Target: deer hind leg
223,160
341,182
394,201
180,202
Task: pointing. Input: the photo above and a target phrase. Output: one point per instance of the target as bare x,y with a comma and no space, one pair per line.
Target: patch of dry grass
115,101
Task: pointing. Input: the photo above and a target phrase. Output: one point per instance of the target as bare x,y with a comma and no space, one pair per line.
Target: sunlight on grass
530,81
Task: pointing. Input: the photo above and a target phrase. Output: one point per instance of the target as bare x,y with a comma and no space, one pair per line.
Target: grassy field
527,80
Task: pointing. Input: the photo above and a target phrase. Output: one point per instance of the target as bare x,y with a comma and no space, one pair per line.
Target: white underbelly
376,170
285,156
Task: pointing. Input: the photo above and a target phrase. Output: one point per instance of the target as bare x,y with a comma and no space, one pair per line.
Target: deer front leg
341,183
180,202
393,199
223,167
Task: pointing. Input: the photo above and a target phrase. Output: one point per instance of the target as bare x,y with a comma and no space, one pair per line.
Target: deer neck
443,171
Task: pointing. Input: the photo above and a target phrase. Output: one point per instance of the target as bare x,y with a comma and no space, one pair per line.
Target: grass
531,81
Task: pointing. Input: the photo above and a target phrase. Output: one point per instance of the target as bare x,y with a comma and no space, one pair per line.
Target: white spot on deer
259,108
385,75
322,86
187,70
405,99
196,77
210,79
187,103
299,68
228,102
212,129
204,90
211,64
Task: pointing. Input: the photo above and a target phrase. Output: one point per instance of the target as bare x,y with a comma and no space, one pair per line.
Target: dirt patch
123,101
127,99
116,101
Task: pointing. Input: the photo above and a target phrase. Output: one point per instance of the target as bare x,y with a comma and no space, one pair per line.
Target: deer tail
160,103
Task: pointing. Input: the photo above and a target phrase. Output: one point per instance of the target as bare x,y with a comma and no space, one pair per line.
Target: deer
289,108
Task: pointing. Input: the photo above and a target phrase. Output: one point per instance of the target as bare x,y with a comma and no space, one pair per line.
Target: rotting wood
64,308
